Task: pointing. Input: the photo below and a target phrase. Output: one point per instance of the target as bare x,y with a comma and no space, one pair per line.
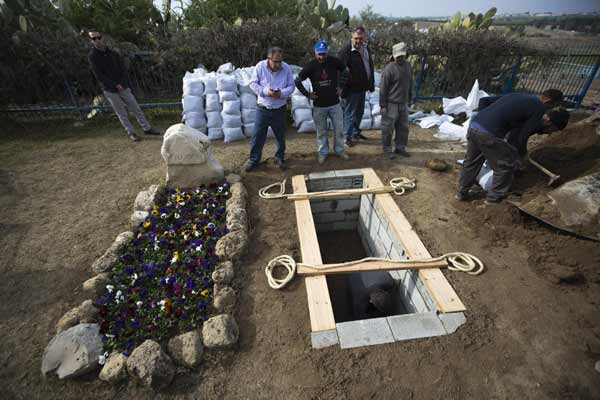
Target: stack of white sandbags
247,99
302,110
367,119
213,107
375,108
193,100
231,113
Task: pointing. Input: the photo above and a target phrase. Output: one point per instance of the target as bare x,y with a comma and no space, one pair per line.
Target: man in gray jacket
395,98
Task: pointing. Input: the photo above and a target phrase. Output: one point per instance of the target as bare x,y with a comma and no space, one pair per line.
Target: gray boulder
73,352
220,332
95,286
224,299
233,178
223,274
187,349
110,256
115,369
232,246
145,199
237,219
151,366
137,218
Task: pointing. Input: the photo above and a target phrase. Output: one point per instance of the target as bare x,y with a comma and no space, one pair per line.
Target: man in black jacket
517,115
109,69
357,58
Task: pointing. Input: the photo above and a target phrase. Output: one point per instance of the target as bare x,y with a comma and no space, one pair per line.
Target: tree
201,13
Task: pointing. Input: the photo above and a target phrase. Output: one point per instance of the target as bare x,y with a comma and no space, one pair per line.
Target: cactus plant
471,21
323,17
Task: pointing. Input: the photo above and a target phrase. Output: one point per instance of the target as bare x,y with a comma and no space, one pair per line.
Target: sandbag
226,83
195,120
227,96
366,124
215,133
233,134
248,101
212,102
302,115
299,102
307,85
231,107
214,119
192,85
248,129
231,121
307,126
450,131
192,104
374,97
210,83
367,110
375,109
248,115
376,122
226,68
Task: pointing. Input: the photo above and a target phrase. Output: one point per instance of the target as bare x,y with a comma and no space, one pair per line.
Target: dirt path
66,192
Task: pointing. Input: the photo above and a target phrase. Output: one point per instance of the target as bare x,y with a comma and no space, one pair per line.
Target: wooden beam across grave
441,291
317,293
365,266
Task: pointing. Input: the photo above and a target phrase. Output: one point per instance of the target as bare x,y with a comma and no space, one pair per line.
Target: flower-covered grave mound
161,284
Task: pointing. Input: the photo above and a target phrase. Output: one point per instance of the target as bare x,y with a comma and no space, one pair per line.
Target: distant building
542,14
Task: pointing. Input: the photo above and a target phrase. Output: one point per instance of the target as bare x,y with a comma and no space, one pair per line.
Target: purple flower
171,280
189,283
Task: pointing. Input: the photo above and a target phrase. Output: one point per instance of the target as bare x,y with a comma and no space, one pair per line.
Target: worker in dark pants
517,113
371,294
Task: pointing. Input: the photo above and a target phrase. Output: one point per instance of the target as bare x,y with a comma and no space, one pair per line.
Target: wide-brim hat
399,49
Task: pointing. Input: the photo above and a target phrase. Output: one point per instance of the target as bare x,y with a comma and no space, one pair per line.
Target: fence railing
156,86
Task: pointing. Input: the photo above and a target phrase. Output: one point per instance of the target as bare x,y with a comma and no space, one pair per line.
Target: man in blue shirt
273,83
517,114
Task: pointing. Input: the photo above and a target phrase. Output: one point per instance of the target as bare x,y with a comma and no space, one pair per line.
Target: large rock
223,274
137,218
187,349
73,352
145,199
237,219
238,198
578,201
220,332
233,178
115,369
95,286
224,299
151,366
69,320
232,246
84,313
189,158
110,256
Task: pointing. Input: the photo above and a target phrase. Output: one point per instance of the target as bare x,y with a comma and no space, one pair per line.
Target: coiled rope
457,261
398,186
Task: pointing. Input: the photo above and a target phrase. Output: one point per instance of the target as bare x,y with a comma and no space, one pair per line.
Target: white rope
263,193
400,185
284,261
457,261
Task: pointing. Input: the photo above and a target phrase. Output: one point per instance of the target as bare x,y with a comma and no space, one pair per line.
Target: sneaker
250,165
402,153
281,164
321,159
133,137
152,131
349,143
390,156
344,156
461,196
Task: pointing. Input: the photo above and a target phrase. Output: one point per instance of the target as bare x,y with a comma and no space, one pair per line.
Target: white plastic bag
233,134
376,122
231,121
193,85
375,109
212,102
226,83
486,177
214,119
210,83
231,107
302,115
307,126
474,96
455,105
248,101
248,129
227,96
215,133
226,68
367,110
434,120
450,131
299,102
374,97
195,120
192,104
248,115
416,116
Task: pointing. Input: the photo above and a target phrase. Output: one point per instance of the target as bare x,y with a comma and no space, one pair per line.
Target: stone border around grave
76,348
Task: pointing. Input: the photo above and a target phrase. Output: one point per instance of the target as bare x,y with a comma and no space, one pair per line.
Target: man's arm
288,89
383,88
487,101
108,83
372,66
122,69
301,78
255,84
519,137
410,84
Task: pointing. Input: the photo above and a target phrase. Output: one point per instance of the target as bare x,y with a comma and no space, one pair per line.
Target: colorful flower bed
161,285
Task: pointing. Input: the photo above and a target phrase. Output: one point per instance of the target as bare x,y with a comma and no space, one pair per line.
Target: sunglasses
96,38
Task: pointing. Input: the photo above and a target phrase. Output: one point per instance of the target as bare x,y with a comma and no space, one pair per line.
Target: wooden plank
319,302
442,292
381,265
338,193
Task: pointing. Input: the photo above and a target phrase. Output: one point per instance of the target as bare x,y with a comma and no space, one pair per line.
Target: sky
431,8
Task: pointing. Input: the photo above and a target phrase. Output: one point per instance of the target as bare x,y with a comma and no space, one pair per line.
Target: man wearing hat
327,75
395,98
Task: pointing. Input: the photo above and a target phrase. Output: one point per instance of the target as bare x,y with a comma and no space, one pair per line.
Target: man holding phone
273,83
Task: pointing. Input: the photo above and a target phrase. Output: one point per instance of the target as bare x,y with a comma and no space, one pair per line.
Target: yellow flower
178,198
147,224
204,293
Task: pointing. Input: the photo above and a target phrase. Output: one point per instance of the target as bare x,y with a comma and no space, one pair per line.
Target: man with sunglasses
327,75
273,83
357,57
109,69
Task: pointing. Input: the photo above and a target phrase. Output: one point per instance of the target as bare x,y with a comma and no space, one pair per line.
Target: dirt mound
570,153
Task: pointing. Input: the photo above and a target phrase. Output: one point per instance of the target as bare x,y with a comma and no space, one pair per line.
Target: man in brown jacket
395,98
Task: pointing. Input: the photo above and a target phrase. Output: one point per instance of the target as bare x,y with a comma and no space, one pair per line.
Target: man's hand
120,87
276,94
313,96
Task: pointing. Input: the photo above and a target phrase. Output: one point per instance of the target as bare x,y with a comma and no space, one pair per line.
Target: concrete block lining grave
416,314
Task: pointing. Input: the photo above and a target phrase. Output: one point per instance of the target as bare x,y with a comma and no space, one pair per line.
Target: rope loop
284,261
263,193
400,185
464,262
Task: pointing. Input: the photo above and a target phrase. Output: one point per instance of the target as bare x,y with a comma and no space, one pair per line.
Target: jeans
394,119
275,118
320,115
122,102
354,107
501,157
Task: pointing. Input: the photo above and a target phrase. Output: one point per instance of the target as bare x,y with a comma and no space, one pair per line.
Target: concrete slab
322,339
321,175
366,332
451,321
354,173
415,326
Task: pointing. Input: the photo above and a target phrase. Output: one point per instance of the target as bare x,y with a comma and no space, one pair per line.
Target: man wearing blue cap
327,76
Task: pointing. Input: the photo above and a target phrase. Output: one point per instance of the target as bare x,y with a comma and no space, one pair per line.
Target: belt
270,109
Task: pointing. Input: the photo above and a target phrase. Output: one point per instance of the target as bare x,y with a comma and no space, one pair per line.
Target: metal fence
155,86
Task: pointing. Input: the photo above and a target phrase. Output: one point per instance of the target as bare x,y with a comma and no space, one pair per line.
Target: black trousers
501,157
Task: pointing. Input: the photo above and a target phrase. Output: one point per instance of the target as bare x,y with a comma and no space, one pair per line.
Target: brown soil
66,192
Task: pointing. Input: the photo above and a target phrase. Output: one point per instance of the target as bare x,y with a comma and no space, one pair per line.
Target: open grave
351,227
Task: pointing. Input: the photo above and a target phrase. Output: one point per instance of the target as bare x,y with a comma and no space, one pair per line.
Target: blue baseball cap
321,47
